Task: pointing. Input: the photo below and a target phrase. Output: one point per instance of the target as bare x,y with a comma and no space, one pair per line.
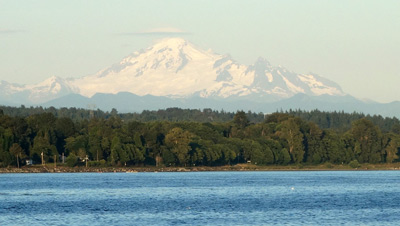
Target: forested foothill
183,137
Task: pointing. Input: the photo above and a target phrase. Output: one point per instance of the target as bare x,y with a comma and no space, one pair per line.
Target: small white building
29,162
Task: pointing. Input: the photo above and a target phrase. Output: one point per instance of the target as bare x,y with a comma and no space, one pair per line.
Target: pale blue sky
354,43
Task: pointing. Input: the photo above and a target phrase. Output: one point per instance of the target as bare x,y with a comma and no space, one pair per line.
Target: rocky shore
64,169
239,167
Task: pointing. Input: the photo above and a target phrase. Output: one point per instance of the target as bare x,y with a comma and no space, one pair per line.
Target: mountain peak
49,82
173,67
262,61
172,43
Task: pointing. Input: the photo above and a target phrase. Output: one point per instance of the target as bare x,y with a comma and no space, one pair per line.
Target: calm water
201,198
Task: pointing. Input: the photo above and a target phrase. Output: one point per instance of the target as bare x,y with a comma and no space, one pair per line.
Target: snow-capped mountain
175,68
49,89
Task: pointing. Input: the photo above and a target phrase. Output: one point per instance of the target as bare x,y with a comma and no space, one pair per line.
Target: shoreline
234,168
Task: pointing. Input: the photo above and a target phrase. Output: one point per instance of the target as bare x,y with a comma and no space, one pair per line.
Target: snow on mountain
7,88
172,67
49,89
175,68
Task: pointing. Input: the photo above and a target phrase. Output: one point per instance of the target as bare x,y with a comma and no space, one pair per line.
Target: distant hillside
127,102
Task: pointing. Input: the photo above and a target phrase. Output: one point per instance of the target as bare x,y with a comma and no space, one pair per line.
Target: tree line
280,138
337,120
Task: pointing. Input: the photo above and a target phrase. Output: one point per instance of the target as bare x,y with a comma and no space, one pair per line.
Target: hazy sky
354,43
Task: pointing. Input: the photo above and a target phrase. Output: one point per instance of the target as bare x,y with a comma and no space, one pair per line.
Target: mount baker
176,69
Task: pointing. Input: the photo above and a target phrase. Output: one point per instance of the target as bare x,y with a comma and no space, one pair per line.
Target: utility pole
63,158
42,158
87,158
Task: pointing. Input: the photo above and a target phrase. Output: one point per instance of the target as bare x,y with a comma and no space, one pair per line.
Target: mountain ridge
176,68
175,73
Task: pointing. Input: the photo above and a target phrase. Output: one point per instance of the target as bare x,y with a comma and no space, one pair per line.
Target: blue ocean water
202,198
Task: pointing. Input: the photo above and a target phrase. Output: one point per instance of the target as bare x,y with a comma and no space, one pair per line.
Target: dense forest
339,121
181,137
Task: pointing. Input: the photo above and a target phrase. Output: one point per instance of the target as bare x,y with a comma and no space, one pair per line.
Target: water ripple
201,198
